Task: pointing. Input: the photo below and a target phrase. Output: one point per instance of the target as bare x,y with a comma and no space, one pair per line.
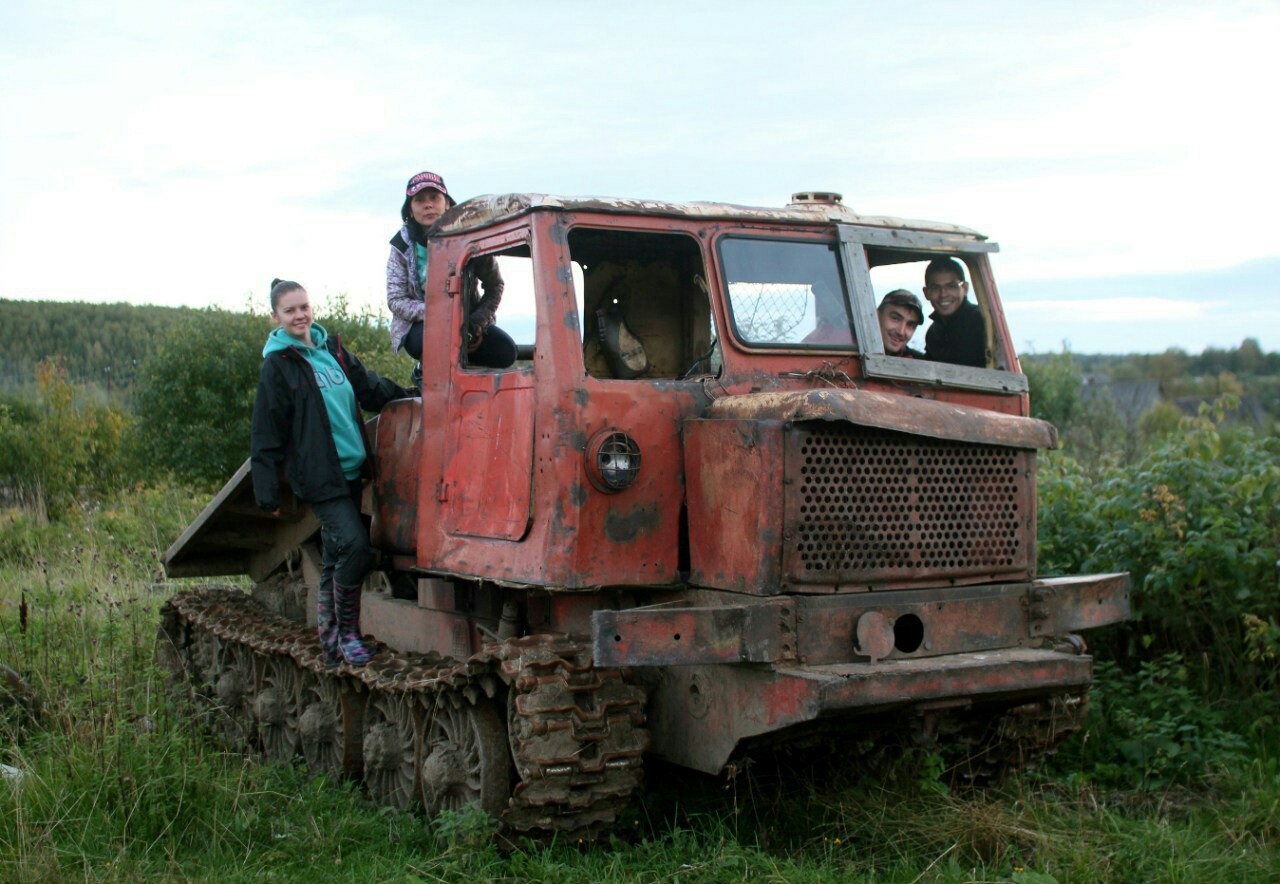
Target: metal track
1017,739
576,731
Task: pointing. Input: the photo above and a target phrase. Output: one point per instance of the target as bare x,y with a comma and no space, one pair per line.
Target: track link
576,731
1017,739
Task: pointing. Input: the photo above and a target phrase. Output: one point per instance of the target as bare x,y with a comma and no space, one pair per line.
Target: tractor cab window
644,305
508,344
947,277
947,290
786,293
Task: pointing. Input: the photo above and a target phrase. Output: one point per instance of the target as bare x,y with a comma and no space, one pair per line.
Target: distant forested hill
94,339
104,346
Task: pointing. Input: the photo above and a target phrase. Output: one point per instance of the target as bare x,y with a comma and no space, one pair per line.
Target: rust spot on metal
921,417
484,211
623,527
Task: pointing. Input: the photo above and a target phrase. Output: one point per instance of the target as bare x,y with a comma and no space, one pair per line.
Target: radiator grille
869,505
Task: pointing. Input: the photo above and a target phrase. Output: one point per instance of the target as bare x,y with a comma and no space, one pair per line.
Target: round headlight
613,461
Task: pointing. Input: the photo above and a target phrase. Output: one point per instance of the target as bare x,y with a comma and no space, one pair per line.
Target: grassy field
115,783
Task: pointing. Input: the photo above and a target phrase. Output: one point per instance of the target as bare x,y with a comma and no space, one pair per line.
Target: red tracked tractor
691,521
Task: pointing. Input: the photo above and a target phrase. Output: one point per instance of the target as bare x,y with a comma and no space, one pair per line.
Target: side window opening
643,304
511,346
786,293
894,269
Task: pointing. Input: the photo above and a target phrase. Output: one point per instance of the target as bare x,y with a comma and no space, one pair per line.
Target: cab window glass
786,293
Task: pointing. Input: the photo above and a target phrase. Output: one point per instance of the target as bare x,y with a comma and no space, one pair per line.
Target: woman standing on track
306,420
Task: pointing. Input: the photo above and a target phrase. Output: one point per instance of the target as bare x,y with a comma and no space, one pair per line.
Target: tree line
102,343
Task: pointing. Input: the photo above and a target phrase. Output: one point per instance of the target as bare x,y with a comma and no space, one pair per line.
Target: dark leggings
347,555
496,350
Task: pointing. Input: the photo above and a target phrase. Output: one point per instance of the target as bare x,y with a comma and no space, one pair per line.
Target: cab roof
483,211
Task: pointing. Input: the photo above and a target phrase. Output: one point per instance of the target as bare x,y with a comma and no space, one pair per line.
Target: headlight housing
613,461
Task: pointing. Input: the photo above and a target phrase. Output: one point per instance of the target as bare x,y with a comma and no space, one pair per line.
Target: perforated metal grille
869,505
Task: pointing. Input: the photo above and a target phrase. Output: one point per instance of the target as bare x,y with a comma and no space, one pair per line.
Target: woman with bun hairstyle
306,420
426,199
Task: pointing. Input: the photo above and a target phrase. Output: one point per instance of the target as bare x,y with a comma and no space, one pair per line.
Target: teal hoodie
339,398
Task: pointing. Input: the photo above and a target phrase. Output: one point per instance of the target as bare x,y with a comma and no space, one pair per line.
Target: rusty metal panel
698,714
868,507
1061,605
732,704
395,483
893,682
666,635
406,626
488,476
631,537
916,623
734,500
232,536
891,411
708,626
483,211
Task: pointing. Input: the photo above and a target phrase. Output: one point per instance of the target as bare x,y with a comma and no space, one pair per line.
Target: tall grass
117,782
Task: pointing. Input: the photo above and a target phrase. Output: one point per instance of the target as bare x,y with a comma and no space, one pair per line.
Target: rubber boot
327,625
350,642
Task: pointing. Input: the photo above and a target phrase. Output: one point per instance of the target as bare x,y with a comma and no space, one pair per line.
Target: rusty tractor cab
704,512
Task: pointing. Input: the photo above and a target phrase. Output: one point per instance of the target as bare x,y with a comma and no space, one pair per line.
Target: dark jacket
291,425
960,339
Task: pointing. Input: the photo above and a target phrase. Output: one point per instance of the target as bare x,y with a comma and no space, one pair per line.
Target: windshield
786,293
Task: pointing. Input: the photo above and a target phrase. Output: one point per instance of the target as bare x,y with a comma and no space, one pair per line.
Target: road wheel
390,750
466,762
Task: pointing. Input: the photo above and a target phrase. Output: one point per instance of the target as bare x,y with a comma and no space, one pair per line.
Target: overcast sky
168,153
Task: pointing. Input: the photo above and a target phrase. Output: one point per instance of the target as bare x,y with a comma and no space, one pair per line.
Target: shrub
1055,384
195,397
1195,522
1154,728
61,446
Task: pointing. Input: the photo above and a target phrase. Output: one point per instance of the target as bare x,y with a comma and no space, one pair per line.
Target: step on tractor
705,514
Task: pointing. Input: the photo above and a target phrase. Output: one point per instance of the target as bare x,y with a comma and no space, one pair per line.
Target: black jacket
291,425
960,338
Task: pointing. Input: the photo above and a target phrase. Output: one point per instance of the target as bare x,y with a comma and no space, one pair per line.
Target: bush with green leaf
1055,383
1196,523
195,397
1153,728
59,447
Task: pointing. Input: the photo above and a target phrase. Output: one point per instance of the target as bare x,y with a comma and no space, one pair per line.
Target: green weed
118,783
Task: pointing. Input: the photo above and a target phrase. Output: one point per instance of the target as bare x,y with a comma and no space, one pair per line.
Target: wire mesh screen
772,313
785,292
872,506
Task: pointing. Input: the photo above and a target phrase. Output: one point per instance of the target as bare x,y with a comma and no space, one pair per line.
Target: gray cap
904,298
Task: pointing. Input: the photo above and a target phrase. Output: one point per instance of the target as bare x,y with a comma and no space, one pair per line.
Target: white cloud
1111,310
171,154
